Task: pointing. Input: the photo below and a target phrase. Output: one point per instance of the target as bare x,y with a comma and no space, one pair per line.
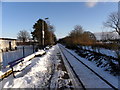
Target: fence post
33,47
23,51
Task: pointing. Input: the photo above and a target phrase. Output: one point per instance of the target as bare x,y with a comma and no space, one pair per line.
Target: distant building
7,44
106,35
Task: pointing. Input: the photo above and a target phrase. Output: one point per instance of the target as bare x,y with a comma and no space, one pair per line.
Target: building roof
7,39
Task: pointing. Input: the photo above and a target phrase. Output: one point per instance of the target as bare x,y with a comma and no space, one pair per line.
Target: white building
6,44
106,35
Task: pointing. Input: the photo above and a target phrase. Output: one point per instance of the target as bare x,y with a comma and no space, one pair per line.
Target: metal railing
22,51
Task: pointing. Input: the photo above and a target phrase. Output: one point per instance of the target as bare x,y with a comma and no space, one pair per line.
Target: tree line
76,36
79,36
37,35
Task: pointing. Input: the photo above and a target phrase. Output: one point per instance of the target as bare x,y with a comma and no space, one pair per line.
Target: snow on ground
25,62
36,74
107,63
47,72
112,79
107,52
41,73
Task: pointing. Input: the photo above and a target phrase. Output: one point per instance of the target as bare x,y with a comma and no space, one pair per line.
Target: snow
112,79
44,72
26,62
108,52
39,73
107,63
1,72
102,51
36,75
85,75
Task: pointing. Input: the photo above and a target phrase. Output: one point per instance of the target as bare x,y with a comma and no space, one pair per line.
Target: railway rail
78,76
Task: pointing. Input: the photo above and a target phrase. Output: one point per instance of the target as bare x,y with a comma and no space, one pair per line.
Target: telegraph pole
43,33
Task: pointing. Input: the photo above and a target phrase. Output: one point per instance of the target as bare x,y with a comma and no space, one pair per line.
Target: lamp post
43,34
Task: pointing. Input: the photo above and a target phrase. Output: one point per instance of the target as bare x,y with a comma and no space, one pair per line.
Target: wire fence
22,51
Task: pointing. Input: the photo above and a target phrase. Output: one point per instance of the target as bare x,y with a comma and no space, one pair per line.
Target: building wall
0,57
5,44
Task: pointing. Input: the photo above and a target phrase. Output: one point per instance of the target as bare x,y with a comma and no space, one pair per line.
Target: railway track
80,74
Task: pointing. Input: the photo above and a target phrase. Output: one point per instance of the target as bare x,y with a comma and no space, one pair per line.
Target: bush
71,46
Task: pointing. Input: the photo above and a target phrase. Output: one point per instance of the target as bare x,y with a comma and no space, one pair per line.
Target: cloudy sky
64,16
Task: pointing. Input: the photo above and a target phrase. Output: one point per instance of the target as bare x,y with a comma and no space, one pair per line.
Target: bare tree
90,35
110,36
105,36
78,29
51,29
23,35
113,22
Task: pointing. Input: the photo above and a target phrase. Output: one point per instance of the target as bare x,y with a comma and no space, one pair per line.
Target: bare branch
23,35
113,22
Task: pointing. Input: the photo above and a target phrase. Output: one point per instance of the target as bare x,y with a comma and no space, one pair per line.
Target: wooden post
33,47
13,73
23,51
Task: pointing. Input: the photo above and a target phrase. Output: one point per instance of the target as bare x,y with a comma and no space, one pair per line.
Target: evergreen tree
37,34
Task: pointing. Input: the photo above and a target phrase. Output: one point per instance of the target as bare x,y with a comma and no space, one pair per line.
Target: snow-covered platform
46,71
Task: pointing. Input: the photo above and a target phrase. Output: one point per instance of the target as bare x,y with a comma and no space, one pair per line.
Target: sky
64,16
